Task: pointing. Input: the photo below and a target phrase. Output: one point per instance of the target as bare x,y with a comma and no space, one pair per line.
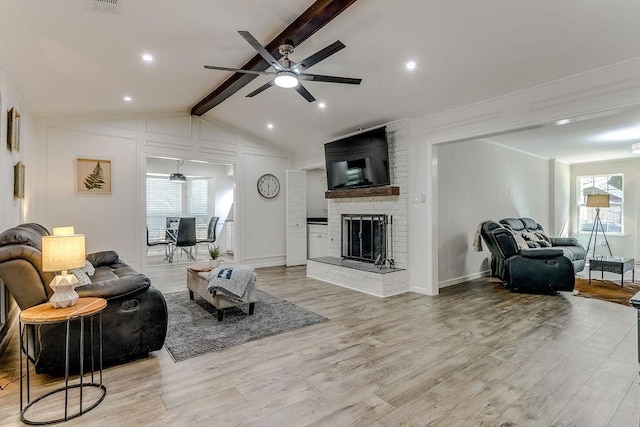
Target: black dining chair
185,238
159,242
211,234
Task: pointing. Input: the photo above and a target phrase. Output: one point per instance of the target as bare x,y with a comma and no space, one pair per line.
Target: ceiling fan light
286,79
635,148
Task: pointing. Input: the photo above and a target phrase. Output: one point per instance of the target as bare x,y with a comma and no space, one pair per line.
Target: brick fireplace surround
385,283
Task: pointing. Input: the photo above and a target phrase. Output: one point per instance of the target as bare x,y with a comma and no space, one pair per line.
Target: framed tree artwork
18,180
93,176
13,130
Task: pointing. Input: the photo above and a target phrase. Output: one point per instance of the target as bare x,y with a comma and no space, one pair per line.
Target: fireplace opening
364,237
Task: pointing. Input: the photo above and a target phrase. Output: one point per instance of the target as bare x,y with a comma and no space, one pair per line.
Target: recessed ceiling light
270,125
411,65
563,122
128,98
147,57
322,105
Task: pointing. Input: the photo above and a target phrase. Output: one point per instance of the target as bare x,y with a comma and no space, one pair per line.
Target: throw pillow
542,236
520,241
81,276
88,268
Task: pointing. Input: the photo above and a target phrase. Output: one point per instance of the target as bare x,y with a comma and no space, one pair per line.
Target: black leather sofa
134,321
536,269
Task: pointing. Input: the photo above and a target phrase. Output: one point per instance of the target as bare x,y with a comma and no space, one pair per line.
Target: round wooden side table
45,314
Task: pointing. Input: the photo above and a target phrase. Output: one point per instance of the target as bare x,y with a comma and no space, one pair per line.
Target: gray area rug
194,330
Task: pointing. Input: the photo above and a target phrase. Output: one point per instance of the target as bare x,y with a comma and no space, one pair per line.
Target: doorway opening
186,218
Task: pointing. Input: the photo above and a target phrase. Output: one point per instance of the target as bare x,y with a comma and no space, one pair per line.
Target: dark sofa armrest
541,253
115,288
98,259
564,241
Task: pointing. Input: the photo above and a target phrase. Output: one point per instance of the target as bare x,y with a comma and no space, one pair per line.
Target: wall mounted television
356,161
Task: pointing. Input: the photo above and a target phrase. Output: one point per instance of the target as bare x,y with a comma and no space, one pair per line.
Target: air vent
104,6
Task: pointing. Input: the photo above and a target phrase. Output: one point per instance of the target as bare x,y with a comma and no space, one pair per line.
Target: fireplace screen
364,237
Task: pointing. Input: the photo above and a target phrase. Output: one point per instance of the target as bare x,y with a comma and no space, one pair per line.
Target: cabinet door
296,217
317,241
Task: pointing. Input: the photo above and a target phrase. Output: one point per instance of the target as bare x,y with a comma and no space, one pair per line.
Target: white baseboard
462,279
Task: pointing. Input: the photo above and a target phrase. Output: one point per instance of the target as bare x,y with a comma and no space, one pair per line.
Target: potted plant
215,253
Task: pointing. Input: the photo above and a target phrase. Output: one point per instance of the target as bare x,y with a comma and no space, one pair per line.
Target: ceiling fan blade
318,56
260,89
329,79
239,70
261,50
304,92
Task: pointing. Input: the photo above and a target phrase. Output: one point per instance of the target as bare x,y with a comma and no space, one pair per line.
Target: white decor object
635,148
63,252
64,294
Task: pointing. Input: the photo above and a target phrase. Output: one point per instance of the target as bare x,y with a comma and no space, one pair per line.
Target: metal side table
45,314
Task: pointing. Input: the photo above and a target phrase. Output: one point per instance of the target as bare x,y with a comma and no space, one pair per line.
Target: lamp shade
63,252
598,200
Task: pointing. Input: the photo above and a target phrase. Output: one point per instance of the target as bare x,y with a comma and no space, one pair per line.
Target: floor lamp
597,201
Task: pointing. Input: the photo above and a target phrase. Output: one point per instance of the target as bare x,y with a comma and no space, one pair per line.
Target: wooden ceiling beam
314,18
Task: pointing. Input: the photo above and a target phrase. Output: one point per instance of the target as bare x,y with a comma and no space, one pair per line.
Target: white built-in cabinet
317,240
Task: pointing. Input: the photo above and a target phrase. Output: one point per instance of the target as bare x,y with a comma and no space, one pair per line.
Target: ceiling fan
288,74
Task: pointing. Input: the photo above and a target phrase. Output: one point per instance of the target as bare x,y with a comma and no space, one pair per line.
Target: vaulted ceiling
67,58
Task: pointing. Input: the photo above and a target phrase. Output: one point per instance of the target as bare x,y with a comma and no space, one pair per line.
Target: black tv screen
360,160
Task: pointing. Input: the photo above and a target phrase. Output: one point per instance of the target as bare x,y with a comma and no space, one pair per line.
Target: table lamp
597,201
61,252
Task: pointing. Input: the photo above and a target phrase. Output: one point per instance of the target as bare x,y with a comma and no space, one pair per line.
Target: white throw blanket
232,281
477,239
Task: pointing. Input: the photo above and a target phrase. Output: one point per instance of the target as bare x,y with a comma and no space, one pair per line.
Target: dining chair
211,234
185,238
164,243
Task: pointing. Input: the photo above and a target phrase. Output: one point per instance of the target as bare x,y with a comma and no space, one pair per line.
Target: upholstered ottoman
197,280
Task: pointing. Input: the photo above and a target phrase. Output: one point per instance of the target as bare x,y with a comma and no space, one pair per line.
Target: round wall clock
268,186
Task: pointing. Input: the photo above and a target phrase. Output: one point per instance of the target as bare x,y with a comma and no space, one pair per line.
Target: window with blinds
166,198
611,217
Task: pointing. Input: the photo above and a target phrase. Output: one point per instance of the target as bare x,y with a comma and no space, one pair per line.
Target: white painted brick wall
397,206
381,285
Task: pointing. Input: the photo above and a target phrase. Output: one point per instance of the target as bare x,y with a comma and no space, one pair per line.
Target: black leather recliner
536,270
133,323
570,246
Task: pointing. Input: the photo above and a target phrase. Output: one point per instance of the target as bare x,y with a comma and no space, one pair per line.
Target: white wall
479,181
624,245
14,211
117,221
317,206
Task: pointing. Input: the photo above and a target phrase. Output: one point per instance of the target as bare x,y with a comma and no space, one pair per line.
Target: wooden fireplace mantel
362,192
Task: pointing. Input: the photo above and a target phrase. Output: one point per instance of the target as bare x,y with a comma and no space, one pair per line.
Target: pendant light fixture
177,176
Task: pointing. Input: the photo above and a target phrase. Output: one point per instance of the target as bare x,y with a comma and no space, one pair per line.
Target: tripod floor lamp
597,201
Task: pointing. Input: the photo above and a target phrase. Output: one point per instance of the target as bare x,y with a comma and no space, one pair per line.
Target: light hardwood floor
476,355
